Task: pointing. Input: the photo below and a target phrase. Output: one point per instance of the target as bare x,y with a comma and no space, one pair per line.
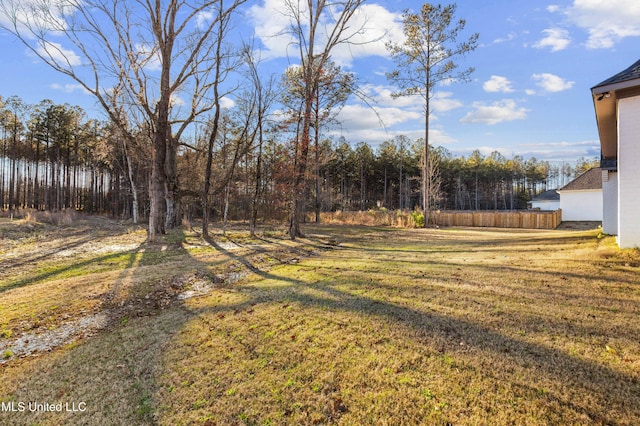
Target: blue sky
529,94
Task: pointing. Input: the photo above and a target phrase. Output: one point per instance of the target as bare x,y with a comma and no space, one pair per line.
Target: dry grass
381,217
459,326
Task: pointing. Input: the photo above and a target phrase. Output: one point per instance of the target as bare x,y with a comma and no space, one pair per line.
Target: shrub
418,218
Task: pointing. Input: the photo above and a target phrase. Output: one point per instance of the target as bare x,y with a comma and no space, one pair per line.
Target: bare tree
264,97
309,18
224,63
154,55
426,59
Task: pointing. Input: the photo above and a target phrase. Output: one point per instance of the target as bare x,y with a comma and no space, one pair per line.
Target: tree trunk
300,168
172,197
132,182
425,163
226,209
157,182
257,192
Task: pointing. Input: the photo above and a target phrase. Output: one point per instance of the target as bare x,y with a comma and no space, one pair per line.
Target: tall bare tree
426,58
318,27
225,62
158,54
264,97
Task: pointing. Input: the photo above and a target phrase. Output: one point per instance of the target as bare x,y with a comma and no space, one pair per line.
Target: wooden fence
498,219
405,219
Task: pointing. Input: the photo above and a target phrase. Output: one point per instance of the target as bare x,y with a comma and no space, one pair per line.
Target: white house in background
617,105
546,201
581,199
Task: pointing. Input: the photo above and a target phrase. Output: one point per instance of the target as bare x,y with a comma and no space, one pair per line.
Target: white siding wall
628,172
609,202
581,205
546,205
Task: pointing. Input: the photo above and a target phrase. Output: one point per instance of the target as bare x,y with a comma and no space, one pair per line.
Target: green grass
459,326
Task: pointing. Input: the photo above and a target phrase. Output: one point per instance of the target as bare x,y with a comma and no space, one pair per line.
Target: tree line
170,148
53,158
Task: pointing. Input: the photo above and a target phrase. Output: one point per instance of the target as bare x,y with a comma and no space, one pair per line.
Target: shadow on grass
611,390
113,374
73,269
130,357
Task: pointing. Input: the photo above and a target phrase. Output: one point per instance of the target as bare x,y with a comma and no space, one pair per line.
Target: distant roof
631,73
591,179
550,195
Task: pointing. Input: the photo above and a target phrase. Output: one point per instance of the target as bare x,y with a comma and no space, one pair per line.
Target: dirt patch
579,225
31,343
45,263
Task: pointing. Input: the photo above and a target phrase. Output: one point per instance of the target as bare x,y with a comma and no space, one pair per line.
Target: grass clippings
389,326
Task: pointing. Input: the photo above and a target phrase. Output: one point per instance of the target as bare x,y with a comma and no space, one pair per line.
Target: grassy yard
351,325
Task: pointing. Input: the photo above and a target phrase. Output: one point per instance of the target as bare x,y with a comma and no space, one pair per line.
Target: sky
529,94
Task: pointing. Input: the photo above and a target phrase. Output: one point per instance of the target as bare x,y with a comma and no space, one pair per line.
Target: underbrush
67,217
378,217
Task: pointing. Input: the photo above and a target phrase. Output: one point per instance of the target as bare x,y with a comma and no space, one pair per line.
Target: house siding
610,202
545,205
581,205
628,172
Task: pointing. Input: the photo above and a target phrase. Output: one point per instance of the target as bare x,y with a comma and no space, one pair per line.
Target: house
581,199
547,201
617,105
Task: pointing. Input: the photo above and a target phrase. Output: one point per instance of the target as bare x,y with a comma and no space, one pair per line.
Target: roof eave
606,119
612,87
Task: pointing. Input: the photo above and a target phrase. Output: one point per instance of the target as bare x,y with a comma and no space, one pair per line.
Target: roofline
579,190
597,90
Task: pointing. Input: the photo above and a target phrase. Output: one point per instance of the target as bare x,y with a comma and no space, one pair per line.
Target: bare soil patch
579,225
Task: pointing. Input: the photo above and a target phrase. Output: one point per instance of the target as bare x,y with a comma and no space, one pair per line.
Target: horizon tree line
54,158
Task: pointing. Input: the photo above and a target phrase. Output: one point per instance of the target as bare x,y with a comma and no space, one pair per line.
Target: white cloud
176,101
557,150
438,137
448,81
509,37
375,136
203,19
358,117
378,25
551,152
552,83
227,103
555,38
381,96
58,54
271,25
69,88
497,112
497,84
368,30
442,102
35,17
606,21
149,57
392,116
553,8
